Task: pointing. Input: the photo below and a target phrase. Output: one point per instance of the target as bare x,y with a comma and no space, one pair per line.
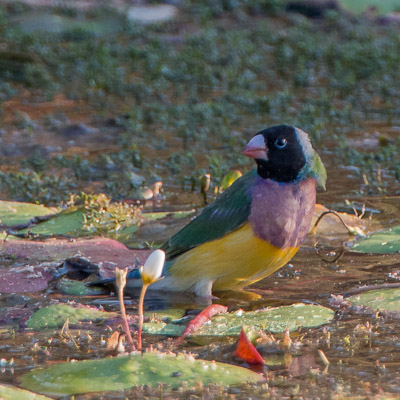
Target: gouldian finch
254,227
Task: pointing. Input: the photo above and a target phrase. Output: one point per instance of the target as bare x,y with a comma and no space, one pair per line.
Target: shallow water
360,364
363,348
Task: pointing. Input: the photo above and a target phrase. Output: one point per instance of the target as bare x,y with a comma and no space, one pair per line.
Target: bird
254,227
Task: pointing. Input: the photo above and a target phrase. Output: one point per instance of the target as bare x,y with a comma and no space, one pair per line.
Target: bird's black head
280,152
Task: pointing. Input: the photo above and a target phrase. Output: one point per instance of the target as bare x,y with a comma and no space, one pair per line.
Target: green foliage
37,76
212,90
36,162
361,5
206,9
88,215
35,187
104,217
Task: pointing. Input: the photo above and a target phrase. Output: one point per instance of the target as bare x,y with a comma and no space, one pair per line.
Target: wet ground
97,138
362,348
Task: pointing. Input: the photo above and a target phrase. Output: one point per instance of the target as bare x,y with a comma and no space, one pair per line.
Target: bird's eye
280,143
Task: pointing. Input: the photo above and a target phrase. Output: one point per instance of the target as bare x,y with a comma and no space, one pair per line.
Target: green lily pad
127,231
62,224
124,372
16,213
164,328
382,7
172,314
384,242
174,214
77,288
385,300
77,221
275,320
54,316
8,392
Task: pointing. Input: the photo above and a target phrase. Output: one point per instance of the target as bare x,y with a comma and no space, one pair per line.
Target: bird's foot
203,288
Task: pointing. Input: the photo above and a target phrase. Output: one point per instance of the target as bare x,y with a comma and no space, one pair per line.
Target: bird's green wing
226,214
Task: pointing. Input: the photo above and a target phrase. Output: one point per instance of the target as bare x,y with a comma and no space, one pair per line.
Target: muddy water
363,349
363,364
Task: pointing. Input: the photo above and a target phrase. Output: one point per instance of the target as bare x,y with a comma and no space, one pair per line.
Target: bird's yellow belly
232,262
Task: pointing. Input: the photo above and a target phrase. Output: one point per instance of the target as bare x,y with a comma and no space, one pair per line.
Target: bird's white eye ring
280,143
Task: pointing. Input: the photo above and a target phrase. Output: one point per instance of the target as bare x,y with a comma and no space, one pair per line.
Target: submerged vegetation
161,96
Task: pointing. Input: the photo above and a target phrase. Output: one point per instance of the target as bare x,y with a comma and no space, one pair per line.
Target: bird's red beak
256,148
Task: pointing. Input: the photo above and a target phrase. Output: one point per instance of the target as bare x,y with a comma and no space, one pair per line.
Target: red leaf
247,352
200,319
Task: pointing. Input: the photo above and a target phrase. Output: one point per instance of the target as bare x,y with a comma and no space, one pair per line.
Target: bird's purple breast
281,213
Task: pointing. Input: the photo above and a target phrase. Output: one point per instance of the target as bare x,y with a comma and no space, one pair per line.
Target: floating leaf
16,213
384,242
273,319
8,392
174,214
77,288
124,372
72,222
163,328
55,315
171,314
126,233
62,224
385,300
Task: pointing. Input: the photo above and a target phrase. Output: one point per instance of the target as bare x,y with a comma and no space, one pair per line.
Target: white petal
152,268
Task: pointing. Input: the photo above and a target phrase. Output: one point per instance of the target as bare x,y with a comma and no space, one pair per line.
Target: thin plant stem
124,319
140,310
314,228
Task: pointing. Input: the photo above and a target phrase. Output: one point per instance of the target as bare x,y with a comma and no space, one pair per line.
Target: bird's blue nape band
134,274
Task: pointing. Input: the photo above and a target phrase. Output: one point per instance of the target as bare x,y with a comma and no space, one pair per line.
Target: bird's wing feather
226,214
